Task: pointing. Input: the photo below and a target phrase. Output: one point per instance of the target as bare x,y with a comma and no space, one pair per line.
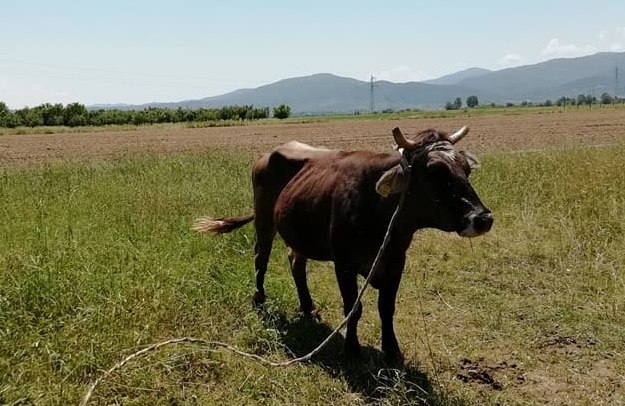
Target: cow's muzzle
476,224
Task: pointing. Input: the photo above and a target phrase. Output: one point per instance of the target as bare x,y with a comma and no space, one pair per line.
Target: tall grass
97,260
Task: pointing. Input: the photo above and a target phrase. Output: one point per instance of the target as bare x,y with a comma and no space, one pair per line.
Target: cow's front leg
348,286
386,305
386,308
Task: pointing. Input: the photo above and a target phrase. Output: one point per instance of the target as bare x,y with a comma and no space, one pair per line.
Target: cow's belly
303,218
306,231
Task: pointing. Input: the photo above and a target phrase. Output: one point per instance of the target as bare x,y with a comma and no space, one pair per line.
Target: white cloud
616,47
612,40
613,35
400,74
556,49
511,60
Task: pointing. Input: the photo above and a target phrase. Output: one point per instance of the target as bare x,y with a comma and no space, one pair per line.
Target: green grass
97,261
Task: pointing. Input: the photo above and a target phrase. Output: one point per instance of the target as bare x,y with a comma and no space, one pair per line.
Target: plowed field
488,134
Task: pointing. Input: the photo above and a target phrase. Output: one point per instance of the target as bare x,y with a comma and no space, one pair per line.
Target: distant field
97,261
519,129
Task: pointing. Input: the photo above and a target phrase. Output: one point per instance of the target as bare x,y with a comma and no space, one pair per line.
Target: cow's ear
391,181
472,160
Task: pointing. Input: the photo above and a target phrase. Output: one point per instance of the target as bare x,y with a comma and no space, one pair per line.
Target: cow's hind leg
265,232
298,269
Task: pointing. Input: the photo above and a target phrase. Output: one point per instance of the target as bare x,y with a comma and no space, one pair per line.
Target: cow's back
326,198
274,170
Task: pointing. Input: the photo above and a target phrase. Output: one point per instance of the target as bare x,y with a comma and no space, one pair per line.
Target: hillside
458,77
326,93
592,74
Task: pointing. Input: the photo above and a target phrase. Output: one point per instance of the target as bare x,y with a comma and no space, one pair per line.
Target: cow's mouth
476,224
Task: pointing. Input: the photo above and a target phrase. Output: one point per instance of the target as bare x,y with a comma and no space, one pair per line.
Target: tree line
76,114
580,100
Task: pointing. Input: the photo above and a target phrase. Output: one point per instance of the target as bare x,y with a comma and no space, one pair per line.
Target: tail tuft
207,225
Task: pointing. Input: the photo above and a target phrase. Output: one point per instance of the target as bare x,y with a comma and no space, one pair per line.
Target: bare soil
583,127
484,374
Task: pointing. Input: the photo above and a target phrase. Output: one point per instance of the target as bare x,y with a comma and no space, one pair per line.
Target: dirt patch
488,134
559,340
566,345
481,373
596,382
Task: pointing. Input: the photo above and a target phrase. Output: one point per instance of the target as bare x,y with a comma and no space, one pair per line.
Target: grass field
97,261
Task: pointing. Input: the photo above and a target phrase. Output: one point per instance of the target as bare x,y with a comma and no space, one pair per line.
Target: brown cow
332,205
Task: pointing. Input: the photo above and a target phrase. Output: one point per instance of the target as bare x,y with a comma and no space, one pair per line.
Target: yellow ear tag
384,185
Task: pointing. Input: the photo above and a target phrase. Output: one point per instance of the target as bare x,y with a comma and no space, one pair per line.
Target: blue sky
142,51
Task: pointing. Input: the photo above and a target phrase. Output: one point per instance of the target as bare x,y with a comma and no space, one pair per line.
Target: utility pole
616,76
372,99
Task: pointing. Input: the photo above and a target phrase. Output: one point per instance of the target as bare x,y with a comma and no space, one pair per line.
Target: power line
87,73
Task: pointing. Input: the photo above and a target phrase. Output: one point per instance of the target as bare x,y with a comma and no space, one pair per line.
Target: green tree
472,101
606,98
75,114
590,100
52,114
282,111
5,115
458,103
28,117
455,105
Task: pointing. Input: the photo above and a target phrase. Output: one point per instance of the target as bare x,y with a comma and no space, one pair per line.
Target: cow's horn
458,135
401,140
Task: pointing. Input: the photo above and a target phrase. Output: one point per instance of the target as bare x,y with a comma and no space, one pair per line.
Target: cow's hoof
352,352
311,312
258,299
315,314
393,356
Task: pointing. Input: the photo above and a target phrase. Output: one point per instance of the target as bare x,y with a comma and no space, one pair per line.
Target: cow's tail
220,226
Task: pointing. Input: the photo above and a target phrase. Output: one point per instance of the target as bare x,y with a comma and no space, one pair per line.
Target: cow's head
439,183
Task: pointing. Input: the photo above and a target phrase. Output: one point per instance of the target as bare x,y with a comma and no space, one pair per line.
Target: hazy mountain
111,106
458,77
326,93
552,79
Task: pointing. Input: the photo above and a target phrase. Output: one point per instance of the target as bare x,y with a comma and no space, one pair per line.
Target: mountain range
326,93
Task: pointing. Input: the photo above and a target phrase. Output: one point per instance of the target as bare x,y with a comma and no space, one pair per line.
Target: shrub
282,111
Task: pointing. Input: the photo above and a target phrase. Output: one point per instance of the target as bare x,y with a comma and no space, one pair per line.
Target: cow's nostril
483,222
